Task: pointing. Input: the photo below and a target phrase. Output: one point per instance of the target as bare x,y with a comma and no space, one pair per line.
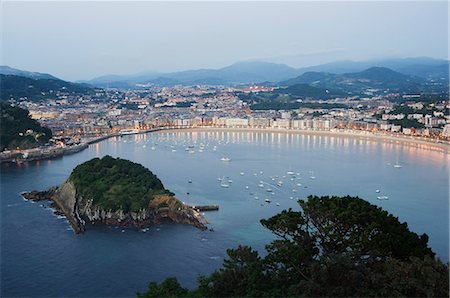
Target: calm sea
41,256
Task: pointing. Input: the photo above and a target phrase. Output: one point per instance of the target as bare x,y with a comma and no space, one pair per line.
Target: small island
119,192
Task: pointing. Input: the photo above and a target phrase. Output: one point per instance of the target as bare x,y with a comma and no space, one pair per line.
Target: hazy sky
82,40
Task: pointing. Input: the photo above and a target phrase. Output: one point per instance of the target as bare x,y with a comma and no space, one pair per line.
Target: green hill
308,91
18,130
114,184
376,78
16,87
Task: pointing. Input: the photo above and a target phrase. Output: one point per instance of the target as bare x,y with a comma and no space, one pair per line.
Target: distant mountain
6,70
397,64
238,73
433,72
258,72
355,83
309,77
16,87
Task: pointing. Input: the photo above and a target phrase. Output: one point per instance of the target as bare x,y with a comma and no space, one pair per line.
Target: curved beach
427,144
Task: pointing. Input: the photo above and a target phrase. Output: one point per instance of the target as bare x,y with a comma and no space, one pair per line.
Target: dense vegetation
335,246
295,105
378,79
307,91
18,130
282,101
115,184
17,87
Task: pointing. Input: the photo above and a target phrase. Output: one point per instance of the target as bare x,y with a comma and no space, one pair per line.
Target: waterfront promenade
49,152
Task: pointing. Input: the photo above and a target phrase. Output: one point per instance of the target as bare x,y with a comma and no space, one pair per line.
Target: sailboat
224,183
312,175
397,165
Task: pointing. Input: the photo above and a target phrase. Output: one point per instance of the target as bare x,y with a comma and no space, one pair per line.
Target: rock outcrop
81,212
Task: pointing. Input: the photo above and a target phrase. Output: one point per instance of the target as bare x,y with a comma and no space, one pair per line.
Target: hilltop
116,191
36,89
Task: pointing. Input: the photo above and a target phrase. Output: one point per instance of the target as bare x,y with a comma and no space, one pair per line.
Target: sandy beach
427,144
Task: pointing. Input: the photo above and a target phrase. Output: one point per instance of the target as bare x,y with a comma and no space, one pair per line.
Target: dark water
41,256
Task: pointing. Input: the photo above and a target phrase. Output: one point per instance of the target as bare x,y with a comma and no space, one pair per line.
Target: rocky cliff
81,212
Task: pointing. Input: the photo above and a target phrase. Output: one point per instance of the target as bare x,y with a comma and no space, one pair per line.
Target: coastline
19,156
404,140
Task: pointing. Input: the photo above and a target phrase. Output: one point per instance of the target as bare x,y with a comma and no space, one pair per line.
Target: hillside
309,91
115,184
376,79
237,73
16,87
6,70
18,130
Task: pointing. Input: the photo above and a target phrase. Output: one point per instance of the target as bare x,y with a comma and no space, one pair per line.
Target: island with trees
116,191
333,246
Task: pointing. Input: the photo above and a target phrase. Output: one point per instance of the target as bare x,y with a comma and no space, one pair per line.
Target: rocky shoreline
82,213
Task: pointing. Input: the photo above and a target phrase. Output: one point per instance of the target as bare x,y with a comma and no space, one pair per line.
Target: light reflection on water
34,243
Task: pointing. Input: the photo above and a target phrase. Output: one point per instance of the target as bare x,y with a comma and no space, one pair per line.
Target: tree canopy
18,129
333,246
114,184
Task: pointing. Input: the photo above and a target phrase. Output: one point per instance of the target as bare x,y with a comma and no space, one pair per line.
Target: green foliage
334,246
16,121
115,184
168,288
295,105
163,205
308,91
37,89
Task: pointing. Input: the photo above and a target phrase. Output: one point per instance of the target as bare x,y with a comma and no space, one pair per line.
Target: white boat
267,200
242,173
129,131
383,198
269,190
278,204
312,175
280,183
397,164
256,198
219,179
290,173
377,191
224,184
225,159
246,187
261,185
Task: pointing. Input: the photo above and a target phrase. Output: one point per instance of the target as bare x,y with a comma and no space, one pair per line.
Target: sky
82,40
